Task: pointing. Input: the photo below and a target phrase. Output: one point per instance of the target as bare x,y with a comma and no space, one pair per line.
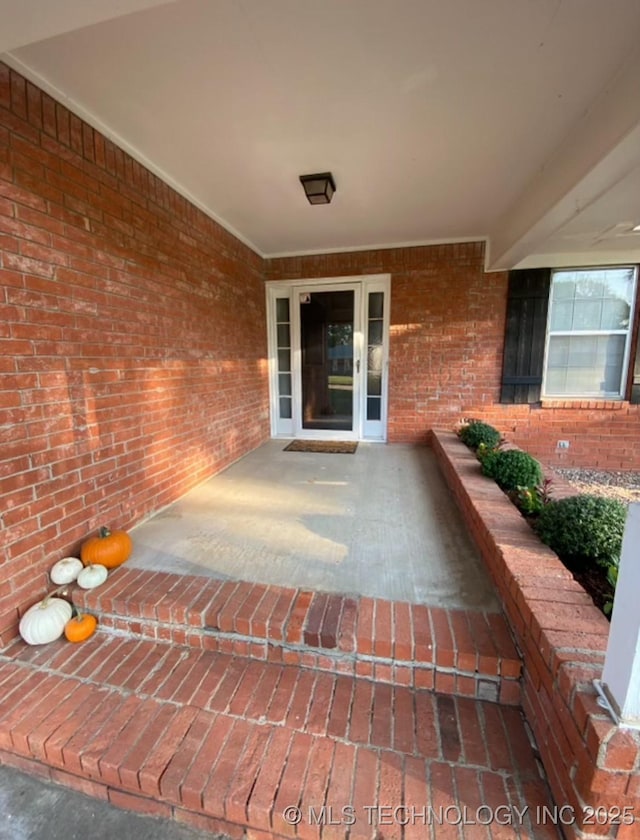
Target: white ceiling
517,121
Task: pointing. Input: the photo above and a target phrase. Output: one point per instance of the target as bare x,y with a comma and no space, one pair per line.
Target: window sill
580,403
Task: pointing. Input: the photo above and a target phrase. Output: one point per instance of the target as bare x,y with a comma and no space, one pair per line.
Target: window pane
564,286
561,315
615,314
587,315
284,384
374,359
285,408
584,365
556,384
284,360
558,351
374,384
284,338
591,300
373,408
282,310
375,332
375,304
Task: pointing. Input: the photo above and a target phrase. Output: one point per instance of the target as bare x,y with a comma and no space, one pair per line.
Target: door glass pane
326,332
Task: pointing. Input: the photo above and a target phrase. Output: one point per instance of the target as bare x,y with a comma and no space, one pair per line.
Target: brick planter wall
591,763
133,340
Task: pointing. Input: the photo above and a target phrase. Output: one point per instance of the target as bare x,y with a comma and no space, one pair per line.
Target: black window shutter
527,306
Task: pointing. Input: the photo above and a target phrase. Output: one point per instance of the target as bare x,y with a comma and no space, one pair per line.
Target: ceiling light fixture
636,229
318,188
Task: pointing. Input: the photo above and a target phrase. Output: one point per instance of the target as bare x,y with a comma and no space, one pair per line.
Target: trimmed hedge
512,468
583,529
477,433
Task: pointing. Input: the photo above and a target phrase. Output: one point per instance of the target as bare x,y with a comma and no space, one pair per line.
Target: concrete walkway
36,810
380,523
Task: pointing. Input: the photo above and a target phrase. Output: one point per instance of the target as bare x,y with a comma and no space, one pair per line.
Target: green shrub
477,433
512,468
487,458
528,500
583,529
531,500
612,580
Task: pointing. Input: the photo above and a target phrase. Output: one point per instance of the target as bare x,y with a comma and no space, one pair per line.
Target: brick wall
603,435
446,341
444,310
133,341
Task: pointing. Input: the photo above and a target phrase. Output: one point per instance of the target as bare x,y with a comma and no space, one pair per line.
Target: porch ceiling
510,120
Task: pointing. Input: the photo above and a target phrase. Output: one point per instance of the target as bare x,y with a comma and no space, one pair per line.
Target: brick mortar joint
334,654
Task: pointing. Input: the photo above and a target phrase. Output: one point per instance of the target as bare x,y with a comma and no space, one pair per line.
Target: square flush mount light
319,188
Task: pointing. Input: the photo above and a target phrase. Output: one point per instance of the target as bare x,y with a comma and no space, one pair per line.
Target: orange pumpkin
109,548
80,628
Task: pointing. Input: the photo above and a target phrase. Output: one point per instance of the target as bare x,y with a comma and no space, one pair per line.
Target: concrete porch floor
380,522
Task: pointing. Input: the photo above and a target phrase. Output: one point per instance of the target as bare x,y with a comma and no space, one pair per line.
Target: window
588,334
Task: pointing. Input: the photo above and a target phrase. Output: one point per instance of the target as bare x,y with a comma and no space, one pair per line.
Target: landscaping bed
584,527
622,486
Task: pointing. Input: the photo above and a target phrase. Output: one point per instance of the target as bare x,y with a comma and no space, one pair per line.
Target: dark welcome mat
334,447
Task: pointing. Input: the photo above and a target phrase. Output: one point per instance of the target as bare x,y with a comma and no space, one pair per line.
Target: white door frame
291,426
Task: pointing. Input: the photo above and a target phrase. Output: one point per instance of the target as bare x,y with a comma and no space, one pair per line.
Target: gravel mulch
621,485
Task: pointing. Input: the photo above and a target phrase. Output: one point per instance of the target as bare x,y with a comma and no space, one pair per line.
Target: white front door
328,346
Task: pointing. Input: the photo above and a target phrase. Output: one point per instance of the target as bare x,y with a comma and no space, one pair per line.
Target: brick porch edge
462,652
593,766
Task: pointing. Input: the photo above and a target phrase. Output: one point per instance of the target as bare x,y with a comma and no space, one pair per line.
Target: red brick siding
604,435
444,309
445,358
133,340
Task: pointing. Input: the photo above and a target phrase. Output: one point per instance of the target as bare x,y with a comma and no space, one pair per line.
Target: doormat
333,447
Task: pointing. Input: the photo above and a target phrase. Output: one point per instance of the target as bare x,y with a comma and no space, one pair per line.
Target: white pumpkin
66,570
92,576
44,622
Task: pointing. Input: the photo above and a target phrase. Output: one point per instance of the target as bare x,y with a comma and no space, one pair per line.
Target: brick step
459,652
227,743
